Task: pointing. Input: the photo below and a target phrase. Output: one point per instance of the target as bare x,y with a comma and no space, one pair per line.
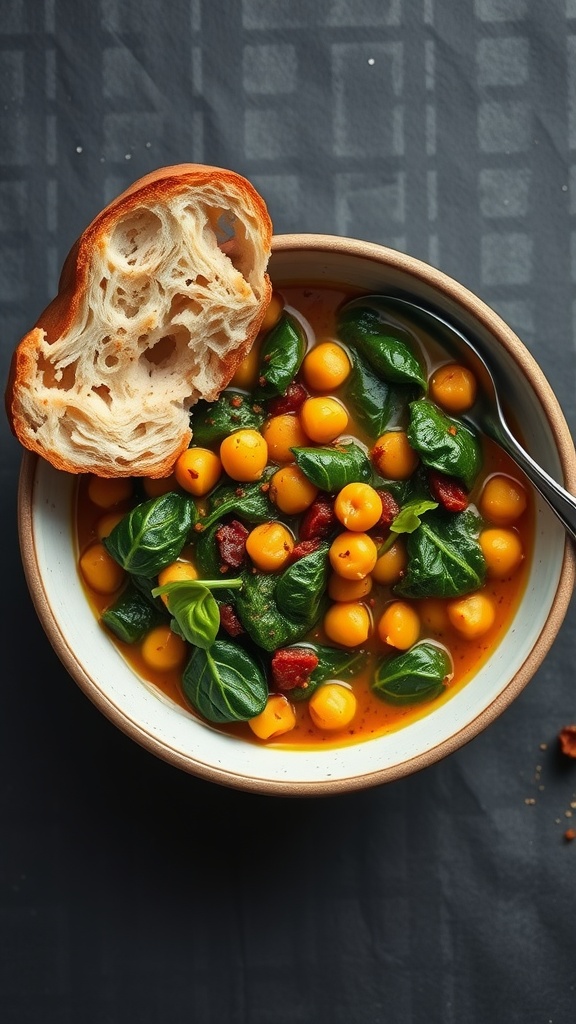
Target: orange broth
318,306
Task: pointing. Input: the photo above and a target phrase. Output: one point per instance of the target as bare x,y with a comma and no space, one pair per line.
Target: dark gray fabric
130,891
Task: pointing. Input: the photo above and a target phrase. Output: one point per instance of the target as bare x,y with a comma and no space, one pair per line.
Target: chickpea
391,566
399,625
163,650
291,490
332,706
246,373
393,456
109,492
269,546
154,488
198,470
433,613
326,366
273,312
358,507
502,550
283,433
323,419
101,573
106,524
348,623
174,573
277,718
503,500
472,616
340,589
244,455
353,555
453,387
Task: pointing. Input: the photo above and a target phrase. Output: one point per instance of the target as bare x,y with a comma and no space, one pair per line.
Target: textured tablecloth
131,891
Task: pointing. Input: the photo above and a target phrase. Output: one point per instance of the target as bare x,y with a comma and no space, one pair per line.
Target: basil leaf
194,608
131,616
414,676
224,683
211,422
444,556
443,442
333,663
247,500
301,586
364,324
408,518
153,534
332,468
281,357
376,404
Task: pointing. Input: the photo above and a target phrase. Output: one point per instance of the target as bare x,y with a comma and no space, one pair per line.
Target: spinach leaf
261,617
375,403
444,556
417,675
224,683
211,422
194,608
301,586
444,443
131,616
153,534
281,357
333,663
364,324
331,468
246,500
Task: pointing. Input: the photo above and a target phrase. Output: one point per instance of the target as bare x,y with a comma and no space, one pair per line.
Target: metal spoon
487,413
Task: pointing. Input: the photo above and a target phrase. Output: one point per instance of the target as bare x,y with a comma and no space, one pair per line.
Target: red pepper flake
198,527
193,473
452,430
236,401
265,488
567,739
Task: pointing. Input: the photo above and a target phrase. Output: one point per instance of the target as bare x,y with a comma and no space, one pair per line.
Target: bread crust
76,424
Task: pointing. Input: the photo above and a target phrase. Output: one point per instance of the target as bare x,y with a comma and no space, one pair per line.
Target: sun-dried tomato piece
390,509
305,547
319,520
447,491
292,667
292,401
230,621
567,739
231,540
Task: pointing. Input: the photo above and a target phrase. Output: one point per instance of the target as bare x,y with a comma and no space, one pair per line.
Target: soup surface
337,553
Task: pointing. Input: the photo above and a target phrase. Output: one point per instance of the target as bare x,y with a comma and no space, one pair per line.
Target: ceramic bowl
50,561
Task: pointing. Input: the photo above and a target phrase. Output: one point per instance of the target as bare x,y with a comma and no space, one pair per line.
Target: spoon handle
560,500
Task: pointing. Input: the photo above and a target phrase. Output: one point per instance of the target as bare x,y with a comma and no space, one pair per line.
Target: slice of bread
159,301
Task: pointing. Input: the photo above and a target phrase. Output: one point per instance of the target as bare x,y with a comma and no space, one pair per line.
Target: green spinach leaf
333,663
301,586
224,683
443,442
194,608
364,324
211,422
281,356
417,675
153,534
247,500
444,556
376,404
331,468
132,615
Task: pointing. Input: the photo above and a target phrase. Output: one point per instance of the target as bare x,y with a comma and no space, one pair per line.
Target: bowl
169,731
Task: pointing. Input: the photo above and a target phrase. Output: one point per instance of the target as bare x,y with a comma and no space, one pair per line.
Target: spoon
487,413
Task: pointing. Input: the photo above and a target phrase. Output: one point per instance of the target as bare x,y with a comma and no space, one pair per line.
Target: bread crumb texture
159,302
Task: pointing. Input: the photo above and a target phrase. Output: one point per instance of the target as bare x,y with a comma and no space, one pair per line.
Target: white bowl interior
152,719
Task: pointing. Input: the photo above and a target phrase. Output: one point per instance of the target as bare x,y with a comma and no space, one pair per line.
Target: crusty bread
159,301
